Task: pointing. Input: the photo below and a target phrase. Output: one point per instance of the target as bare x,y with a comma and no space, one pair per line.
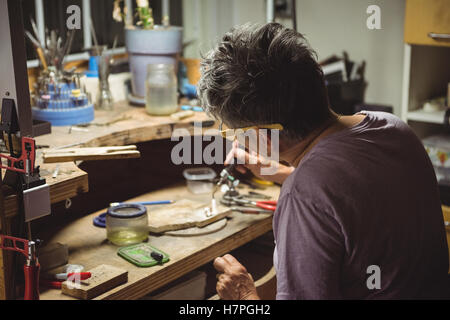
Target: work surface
88,246
123,125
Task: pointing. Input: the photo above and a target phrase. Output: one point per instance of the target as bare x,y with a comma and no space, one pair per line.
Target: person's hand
233,280
254,162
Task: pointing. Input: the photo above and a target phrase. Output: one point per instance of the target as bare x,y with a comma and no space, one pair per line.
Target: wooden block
104,278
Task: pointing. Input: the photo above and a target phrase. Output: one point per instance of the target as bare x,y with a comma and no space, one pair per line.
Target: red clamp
25,163
30,269
23,248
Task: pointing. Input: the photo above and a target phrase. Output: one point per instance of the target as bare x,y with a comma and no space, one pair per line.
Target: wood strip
86,154
91,150
109,156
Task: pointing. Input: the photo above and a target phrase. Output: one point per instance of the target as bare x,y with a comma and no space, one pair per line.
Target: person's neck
293,155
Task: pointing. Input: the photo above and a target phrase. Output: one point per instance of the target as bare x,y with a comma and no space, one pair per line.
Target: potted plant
147,43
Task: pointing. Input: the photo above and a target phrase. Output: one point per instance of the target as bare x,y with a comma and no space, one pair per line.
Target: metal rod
270,7
40,20
166,13
97,48
87,40
294,15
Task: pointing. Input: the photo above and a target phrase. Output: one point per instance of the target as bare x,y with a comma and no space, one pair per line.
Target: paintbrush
53,48
32,39
36,33
111,61
38,49
69,42
97,48
64,51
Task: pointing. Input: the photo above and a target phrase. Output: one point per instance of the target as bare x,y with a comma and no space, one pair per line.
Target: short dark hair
264,74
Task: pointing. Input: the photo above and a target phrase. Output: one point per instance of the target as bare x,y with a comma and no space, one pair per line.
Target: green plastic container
139,254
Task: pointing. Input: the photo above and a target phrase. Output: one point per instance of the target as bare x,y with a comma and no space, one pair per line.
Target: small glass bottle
104,99
161,85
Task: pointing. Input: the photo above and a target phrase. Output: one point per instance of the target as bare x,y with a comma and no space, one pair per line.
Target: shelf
426,116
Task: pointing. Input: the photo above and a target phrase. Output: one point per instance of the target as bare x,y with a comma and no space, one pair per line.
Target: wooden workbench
123,125
89,247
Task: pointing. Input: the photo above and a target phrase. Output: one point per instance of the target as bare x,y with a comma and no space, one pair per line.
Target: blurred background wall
330,26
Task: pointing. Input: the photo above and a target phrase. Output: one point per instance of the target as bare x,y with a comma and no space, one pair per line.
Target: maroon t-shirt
363,199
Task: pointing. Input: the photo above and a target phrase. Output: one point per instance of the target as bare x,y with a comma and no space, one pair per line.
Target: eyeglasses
230,133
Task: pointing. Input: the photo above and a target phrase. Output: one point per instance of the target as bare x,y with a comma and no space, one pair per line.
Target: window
51,15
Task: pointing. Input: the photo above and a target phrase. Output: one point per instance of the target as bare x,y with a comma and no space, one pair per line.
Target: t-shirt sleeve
309,249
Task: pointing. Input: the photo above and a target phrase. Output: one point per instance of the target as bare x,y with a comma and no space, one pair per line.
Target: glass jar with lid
161,85
127,224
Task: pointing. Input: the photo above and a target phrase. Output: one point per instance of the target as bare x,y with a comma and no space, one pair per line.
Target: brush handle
42,58
150,203
144,203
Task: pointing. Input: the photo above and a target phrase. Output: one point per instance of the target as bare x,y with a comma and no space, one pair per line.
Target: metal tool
265,204
232,196
257,195
58,96
21,172
250,210
31,268
226,177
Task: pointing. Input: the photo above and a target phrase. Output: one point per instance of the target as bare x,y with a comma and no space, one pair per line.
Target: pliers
270,205
250,210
